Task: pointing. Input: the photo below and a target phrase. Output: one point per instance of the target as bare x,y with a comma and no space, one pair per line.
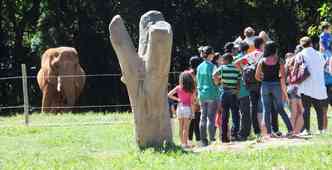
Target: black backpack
249,79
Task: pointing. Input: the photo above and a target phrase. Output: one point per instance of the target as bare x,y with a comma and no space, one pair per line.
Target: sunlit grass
112,146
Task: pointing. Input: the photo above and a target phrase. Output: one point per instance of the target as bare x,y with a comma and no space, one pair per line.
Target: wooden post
25,94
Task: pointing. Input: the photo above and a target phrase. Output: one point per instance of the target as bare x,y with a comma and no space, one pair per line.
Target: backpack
248,75
249,79
297,70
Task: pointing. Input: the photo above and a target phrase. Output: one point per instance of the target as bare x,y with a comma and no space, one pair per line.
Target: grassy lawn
107,142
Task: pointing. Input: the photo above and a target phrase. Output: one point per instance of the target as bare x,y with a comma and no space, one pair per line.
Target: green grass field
97,141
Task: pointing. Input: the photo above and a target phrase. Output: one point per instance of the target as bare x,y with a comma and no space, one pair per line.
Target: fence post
25,94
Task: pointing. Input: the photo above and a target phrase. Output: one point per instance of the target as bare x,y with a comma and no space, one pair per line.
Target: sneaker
276,135
213,142
279,134
259,138
203,143
306,133
186,146
289,135
322,132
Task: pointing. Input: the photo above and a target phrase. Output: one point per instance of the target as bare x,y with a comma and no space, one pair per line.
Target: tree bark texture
145,74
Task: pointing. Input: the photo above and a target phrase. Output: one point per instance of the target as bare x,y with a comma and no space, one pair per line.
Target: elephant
61,79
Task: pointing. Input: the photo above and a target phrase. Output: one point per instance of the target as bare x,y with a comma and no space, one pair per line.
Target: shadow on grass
166,148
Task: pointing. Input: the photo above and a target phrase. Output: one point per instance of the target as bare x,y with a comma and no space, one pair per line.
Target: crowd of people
252,83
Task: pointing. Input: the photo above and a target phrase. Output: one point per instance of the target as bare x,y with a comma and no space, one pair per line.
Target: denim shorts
183,111
293,93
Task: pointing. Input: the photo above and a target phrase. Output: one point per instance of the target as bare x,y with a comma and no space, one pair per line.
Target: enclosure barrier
26,106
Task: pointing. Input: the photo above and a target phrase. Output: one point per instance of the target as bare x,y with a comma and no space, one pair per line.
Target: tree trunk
146,75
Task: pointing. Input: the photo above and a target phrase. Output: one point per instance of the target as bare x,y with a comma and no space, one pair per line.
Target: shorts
293,93
183,111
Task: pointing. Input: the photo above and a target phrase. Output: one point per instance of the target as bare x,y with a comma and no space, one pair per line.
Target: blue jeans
272,91
208,113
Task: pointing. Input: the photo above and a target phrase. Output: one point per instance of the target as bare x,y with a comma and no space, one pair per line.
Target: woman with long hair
271,72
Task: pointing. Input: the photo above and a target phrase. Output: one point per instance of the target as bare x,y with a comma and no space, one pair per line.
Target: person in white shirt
249,34
313,89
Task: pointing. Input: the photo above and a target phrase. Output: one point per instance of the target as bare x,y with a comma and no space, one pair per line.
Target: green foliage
29,27
325,11
325,14
313,31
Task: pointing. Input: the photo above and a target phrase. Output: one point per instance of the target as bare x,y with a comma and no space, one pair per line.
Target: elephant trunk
67,85
59,84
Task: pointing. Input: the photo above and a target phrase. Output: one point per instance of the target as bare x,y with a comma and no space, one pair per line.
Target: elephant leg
46,101
49,99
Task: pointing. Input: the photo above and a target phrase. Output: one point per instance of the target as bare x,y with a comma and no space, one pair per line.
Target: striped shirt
230,76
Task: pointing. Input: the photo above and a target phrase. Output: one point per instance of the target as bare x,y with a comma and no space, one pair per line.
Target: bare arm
172,93
282,75
238,64
217,77
321,47
259,72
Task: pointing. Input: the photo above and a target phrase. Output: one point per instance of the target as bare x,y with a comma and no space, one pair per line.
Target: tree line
28,27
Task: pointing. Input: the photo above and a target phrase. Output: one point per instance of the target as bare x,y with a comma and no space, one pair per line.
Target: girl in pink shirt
185,95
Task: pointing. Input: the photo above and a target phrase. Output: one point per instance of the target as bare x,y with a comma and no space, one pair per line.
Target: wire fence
73,76
29,108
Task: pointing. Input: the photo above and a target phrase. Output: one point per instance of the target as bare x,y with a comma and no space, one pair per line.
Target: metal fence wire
29,108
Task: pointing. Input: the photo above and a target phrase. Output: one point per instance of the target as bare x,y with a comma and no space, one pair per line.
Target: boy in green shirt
230,77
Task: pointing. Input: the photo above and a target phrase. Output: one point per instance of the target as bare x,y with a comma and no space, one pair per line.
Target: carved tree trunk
146,75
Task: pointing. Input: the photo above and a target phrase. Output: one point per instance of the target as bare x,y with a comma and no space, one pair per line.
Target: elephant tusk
59,84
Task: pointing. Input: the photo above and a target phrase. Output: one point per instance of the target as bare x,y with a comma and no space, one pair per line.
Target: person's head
187,82
249,32
208,53
270,49
289,55
227,58
325,27
194,62
264,36
259,43
229,47
306,42
217,59
244,47
237,48
200,51
298,49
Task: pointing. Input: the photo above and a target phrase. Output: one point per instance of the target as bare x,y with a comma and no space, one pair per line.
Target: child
194,62
218,120
230,77
185,92
171,104
294,96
